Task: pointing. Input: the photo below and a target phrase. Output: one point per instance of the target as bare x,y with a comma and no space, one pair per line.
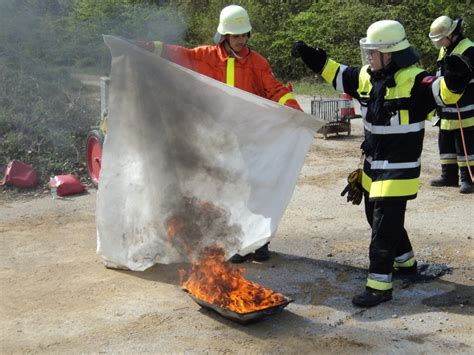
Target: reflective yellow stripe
378,285
230,74
366,182
454,124
329,71
463,163
462,46
158,47
429,116
285,98
442,53
394,188
364,82
404,79
448,97
410,262
448,161
404,117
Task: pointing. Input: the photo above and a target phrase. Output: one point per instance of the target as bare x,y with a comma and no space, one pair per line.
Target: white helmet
442,27
385,36
233,20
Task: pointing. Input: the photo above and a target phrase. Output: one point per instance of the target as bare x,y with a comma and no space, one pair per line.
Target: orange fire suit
251,73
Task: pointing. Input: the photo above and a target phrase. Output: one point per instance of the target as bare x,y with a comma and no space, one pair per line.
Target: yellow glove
354,188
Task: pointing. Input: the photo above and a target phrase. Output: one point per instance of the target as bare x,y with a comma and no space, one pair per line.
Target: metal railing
336,110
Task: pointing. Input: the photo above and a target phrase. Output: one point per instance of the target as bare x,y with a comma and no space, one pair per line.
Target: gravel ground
58,297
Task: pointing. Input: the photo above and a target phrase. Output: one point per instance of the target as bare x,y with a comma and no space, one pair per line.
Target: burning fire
211,279
216,282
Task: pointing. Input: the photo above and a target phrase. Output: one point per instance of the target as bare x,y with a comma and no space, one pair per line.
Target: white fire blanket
189,162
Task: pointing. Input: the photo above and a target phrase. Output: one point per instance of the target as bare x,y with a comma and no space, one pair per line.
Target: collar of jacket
223,55
387,74
453,45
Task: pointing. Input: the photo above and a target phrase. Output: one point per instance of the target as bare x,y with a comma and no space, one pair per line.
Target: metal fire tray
242,318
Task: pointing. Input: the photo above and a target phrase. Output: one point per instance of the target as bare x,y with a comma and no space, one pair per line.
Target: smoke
196,225
45,114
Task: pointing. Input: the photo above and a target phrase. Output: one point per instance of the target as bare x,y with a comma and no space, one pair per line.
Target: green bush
45,115
44,120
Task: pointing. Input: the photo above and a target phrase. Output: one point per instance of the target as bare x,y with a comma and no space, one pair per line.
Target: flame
217,282
210,278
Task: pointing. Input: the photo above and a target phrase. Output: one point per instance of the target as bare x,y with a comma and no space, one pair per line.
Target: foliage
45,115
314,87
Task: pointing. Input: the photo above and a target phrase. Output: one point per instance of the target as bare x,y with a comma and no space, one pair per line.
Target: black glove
314,58
296,49
457,72
354,188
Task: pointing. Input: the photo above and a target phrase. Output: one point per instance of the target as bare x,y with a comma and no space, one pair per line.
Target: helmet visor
365,54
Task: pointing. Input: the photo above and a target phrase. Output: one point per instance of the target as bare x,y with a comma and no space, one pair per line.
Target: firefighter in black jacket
395,97
446,35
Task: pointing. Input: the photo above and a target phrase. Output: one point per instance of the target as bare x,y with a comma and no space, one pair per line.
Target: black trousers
389,237
450,144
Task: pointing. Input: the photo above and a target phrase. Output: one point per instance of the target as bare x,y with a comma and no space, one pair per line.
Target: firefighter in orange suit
231,61
396,97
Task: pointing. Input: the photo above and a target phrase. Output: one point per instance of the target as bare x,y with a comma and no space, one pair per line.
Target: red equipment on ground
66,185
20,174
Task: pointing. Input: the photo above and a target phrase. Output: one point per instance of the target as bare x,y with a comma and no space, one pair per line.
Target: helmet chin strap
232,49
382,62
451,39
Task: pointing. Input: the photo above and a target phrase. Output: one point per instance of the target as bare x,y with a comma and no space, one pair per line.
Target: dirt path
57,296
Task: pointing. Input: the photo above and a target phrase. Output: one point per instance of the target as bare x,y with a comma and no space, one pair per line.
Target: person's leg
237,259
448,157
405,264
467,185
387,231
262,253
369,209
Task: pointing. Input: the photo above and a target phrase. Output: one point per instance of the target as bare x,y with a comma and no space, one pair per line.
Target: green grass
313,87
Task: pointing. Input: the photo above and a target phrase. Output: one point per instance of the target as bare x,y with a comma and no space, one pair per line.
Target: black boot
237,259
405,272
449,176
371,297
467,186
439,182
262,253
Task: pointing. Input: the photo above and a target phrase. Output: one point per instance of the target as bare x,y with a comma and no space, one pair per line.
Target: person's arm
176,54
185,57
276,91
343,78
431,92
